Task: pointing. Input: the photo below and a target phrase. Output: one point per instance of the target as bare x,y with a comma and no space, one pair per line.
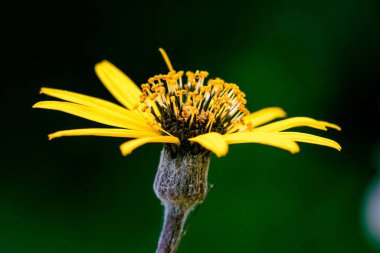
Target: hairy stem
175,218
180,184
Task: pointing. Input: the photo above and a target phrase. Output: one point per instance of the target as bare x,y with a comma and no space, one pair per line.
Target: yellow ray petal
213,142
271,139
94,115
107,132
127,147
90,101
330,125
292,122
313,139
166,59
259,117
119,84
264,115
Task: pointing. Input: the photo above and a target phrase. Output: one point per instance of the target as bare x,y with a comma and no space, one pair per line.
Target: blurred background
79,194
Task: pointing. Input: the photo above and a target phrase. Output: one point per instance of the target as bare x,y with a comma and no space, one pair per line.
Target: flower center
187,109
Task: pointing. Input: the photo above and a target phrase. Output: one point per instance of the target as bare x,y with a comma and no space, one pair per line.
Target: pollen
186,104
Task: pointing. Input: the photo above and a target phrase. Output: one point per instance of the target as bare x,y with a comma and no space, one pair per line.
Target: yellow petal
271,139
330,125
213,142
290,123
313,139
108,132
264,115
127,147
166,59
119,84
89,101
96,115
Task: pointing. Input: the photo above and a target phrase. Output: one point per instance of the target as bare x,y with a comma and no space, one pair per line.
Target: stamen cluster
187,109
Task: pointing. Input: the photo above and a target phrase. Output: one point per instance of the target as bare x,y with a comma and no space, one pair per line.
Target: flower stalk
171,234
180,184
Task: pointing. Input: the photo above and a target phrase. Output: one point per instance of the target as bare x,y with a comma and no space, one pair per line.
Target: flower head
183,110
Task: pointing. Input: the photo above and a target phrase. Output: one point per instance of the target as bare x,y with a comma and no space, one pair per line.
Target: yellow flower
187,114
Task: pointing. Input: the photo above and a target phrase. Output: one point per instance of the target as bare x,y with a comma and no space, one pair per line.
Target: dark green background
317,59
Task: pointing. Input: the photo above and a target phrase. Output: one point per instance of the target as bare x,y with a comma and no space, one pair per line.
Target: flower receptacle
181,178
